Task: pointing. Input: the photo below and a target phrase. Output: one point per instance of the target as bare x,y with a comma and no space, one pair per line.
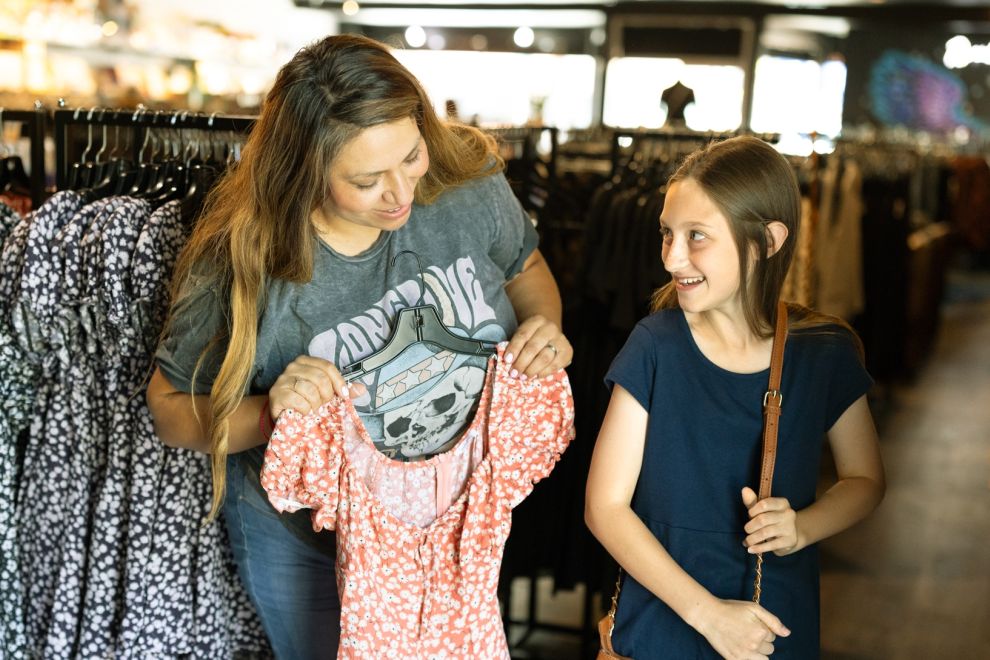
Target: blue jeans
291,584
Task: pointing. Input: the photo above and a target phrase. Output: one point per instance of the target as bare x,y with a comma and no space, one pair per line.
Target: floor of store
913,581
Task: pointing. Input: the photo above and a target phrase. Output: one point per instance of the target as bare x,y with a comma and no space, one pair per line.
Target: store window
634,87
508,88
798,96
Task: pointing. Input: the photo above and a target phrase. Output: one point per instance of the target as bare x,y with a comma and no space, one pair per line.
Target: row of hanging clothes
876,246
105,550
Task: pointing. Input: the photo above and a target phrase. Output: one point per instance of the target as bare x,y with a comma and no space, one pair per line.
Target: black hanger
413,325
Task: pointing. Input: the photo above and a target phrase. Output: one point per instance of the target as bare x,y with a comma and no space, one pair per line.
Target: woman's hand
772,525
538,348
741,630
306,384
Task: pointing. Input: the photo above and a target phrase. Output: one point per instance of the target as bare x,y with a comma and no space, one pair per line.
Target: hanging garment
410,591
110,555
17,379
839,241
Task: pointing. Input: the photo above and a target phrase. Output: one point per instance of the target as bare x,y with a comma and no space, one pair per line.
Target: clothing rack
140,121
663,134
35,122
530,137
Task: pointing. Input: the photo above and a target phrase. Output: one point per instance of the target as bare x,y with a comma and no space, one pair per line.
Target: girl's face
374,177
699,250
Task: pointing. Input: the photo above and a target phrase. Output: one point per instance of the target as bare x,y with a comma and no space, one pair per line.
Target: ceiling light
415,36
524,37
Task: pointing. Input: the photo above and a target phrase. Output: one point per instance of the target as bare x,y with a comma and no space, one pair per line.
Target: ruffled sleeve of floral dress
303,464
536,425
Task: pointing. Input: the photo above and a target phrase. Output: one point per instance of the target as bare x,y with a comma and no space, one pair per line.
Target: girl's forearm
641,555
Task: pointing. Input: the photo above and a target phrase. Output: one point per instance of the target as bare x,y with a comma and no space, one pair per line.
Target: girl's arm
734,628
536,302
774,526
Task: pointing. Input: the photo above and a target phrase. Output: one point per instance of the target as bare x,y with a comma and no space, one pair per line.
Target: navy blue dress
703,445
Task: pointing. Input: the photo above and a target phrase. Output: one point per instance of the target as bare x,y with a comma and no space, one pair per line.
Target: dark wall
896,76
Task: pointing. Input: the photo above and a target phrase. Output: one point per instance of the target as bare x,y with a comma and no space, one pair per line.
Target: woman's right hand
742,630
306,384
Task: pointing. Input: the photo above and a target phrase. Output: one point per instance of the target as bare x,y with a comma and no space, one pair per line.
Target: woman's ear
776,235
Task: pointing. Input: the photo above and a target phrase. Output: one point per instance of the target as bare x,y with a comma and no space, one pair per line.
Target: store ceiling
908,10
533,4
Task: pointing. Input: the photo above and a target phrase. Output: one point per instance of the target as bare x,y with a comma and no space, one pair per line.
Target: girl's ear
776,235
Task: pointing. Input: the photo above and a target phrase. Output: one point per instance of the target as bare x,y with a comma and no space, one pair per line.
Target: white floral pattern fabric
411,591
102,548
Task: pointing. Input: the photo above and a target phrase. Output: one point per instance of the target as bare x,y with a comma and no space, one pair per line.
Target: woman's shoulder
484,189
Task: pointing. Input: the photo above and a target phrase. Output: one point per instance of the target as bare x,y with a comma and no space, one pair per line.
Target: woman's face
373,179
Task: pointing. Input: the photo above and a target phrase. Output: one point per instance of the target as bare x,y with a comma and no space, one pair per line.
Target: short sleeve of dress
303,464
194,323
534,430
513,237
849,381
635,367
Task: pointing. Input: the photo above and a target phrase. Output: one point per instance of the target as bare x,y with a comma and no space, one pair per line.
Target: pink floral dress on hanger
419,545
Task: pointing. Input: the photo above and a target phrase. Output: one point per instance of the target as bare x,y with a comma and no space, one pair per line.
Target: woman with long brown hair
296,268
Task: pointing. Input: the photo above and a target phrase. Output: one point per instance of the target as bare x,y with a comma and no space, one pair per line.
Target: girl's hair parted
256,223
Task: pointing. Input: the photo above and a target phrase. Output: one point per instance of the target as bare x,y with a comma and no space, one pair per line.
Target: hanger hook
422,274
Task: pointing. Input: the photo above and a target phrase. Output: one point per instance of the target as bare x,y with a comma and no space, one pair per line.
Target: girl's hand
772,525
538,348
741,630
306,384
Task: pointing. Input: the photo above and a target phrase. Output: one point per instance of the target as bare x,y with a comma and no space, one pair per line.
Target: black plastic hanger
414,325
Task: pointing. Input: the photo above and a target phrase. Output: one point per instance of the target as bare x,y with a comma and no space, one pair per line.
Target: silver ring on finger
552,348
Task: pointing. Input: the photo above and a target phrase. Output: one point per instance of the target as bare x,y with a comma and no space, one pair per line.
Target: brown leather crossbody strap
772,402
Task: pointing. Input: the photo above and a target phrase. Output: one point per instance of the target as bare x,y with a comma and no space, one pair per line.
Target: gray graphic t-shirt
470,241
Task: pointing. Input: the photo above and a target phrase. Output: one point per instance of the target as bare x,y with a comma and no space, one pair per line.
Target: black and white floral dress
108,554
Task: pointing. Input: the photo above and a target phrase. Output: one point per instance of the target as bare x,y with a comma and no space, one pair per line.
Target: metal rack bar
141,120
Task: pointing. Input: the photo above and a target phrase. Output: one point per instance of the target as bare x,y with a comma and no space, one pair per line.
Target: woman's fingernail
514,373
524,376
345,391
508,358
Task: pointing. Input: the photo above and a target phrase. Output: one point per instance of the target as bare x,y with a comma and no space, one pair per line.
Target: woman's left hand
538,348
772,525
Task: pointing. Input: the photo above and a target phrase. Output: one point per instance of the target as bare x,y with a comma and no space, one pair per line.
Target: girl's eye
697,236
666,234
414,157
365,186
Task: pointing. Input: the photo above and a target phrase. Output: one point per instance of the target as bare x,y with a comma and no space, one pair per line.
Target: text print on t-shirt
417,404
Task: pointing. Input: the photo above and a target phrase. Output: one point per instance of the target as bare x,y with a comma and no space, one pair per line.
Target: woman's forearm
176,423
